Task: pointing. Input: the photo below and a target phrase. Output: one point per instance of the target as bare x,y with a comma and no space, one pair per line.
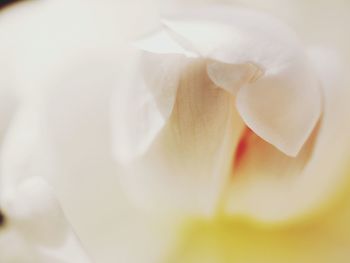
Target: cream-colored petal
270,186
231,77
36,215
70,251
14,248
199,35
143,102
229,42
263,178
68,67
234,35
187,165
284,108
8,99
161,42
26,150
283,103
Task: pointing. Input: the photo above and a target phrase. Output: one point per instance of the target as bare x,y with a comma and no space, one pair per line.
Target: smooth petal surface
200,36
144,101
161,42
231,36
19,161
63,71
232,77
284,108
37,225
36,213
14,248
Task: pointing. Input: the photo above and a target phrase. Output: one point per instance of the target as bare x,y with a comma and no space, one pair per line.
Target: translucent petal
200,35
161,42
282,102
234,36
231,77
187,165
283,109
270,186
143,102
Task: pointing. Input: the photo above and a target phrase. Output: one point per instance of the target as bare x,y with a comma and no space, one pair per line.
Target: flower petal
284,103
263,178
184,171
36,215
161,42
144,101
25,148
199,36
283,109
14,248
231,77
231,36
270,186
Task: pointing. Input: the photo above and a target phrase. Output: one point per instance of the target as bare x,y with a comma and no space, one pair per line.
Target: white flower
182,106
226,109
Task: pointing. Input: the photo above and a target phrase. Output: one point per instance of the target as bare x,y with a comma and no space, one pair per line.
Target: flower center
242,148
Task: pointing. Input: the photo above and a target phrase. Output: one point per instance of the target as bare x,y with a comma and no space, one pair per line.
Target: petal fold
283,109
144,101
272,187
260,59
231,77
184,170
